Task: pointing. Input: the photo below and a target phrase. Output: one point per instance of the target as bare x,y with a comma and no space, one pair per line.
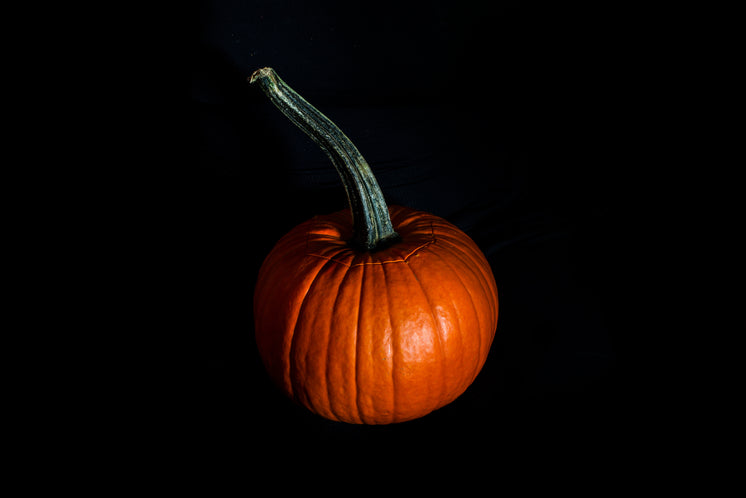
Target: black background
517,124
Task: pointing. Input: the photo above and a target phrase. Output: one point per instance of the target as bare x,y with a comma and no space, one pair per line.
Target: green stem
370,215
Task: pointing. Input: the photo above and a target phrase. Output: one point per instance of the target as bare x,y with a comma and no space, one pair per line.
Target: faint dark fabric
495,118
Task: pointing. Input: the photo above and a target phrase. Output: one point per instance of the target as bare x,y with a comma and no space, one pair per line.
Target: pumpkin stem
372,228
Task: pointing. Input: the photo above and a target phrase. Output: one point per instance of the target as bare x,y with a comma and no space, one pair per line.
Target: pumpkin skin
375,337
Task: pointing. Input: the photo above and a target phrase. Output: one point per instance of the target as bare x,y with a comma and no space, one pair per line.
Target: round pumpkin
374,314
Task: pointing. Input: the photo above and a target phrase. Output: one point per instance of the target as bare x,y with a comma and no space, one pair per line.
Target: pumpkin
375,314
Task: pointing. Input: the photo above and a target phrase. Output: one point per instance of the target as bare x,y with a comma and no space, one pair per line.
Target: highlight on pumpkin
375,318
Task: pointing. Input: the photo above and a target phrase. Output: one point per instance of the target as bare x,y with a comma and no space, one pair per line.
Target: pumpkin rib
474,262
486,334
480,262
283,252
461,331
391,346
475,265
286,374
357,348
293,338
473,307
329,395
437,332
394,342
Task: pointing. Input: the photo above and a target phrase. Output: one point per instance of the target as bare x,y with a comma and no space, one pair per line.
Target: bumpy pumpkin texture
374,314
375,337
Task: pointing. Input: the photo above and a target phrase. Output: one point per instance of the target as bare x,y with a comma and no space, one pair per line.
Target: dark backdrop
511,122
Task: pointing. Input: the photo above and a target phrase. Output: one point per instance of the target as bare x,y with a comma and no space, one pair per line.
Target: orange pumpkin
370,315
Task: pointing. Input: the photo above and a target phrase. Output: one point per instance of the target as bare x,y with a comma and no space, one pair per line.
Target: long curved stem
370,215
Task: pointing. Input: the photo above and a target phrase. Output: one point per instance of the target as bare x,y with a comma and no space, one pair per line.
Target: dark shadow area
506,121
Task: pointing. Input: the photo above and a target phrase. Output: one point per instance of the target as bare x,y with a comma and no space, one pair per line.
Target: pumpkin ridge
475,261
393,345
474,309
357,348
467,246
438,332
294,335
329,383
470,263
